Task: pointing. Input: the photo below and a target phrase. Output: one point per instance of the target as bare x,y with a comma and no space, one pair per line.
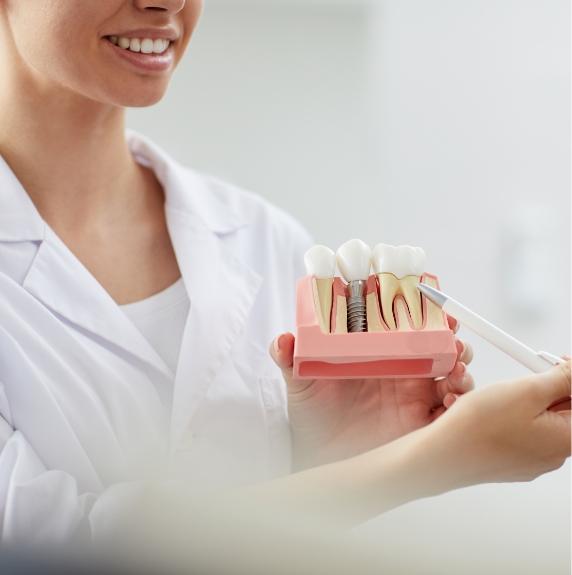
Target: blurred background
439,123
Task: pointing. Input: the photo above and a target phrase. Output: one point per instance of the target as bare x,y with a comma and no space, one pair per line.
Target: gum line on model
366,324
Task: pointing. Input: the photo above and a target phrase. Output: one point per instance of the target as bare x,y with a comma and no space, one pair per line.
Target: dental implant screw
357,311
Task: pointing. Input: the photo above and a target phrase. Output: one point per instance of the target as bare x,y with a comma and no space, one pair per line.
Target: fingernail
278,343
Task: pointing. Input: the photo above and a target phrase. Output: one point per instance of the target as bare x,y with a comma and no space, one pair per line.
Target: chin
140,98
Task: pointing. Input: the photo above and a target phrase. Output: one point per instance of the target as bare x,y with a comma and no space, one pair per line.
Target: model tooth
320,263
399,269
354,260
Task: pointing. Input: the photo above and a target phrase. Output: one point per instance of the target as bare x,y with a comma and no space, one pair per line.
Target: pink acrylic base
387,354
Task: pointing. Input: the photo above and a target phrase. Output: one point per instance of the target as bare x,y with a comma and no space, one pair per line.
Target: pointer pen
535,361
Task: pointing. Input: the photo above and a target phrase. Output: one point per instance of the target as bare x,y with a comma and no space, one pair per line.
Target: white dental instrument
536,361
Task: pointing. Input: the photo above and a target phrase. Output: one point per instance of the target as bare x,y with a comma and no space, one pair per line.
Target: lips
147,61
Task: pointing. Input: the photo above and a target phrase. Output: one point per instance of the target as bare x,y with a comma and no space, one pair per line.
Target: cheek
51,39
190,17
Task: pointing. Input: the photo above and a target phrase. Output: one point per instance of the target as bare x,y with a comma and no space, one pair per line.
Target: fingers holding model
334,419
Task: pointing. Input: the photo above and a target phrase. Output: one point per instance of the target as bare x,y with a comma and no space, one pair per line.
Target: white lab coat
82,424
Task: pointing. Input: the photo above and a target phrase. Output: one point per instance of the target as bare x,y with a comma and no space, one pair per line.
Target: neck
69,152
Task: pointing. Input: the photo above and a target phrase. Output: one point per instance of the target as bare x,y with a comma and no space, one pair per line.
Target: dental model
399,270
354,261
369,325
320,263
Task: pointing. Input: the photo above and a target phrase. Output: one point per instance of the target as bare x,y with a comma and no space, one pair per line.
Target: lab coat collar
221,287
201,203
19,219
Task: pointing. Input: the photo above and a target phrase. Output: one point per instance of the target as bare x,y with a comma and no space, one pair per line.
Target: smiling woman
62,42
138,299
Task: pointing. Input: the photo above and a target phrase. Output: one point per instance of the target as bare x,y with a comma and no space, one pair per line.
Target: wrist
421,464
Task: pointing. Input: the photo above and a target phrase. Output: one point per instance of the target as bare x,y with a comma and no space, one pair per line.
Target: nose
172,6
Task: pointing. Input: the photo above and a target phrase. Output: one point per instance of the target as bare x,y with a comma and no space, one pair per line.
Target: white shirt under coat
161,319
82,423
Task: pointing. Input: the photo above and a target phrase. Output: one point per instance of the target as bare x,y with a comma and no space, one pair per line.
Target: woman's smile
145,53
144,45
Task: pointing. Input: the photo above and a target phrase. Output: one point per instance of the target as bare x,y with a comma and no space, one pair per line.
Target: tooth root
434,314
389,288
373,314
341,315
323,301
401,314
412,296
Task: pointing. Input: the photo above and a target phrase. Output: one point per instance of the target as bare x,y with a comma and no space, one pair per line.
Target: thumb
282,352
554,385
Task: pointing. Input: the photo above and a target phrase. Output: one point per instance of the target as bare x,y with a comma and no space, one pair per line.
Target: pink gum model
426,352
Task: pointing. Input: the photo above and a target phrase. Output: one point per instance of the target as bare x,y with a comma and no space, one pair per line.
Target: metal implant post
357,314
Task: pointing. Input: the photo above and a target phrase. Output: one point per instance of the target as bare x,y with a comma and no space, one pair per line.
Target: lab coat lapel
62,283
221,287
222,291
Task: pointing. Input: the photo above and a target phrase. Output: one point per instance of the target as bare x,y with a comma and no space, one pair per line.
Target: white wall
442,123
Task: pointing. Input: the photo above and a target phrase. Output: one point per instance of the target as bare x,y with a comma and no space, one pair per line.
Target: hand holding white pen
510,431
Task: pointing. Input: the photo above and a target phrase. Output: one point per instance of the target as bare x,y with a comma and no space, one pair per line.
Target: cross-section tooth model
399,270
320,263
354,261
369,325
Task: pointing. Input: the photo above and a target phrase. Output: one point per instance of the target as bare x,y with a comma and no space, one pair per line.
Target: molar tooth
399,270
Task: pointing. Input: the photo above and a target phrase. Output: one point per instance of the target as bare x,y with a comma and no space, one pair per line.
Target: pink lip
147,62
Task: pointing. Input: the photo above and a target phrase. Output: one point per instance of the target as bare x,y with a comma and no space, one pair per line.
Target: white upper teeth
144,45
401,261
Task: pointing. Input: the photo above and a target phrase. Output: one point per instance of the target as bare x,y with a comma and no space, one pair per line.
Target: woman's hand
510,431
334,419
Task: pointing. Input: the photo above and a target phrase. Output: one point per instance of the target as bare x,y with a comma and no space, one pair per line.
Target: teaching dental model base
369,325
